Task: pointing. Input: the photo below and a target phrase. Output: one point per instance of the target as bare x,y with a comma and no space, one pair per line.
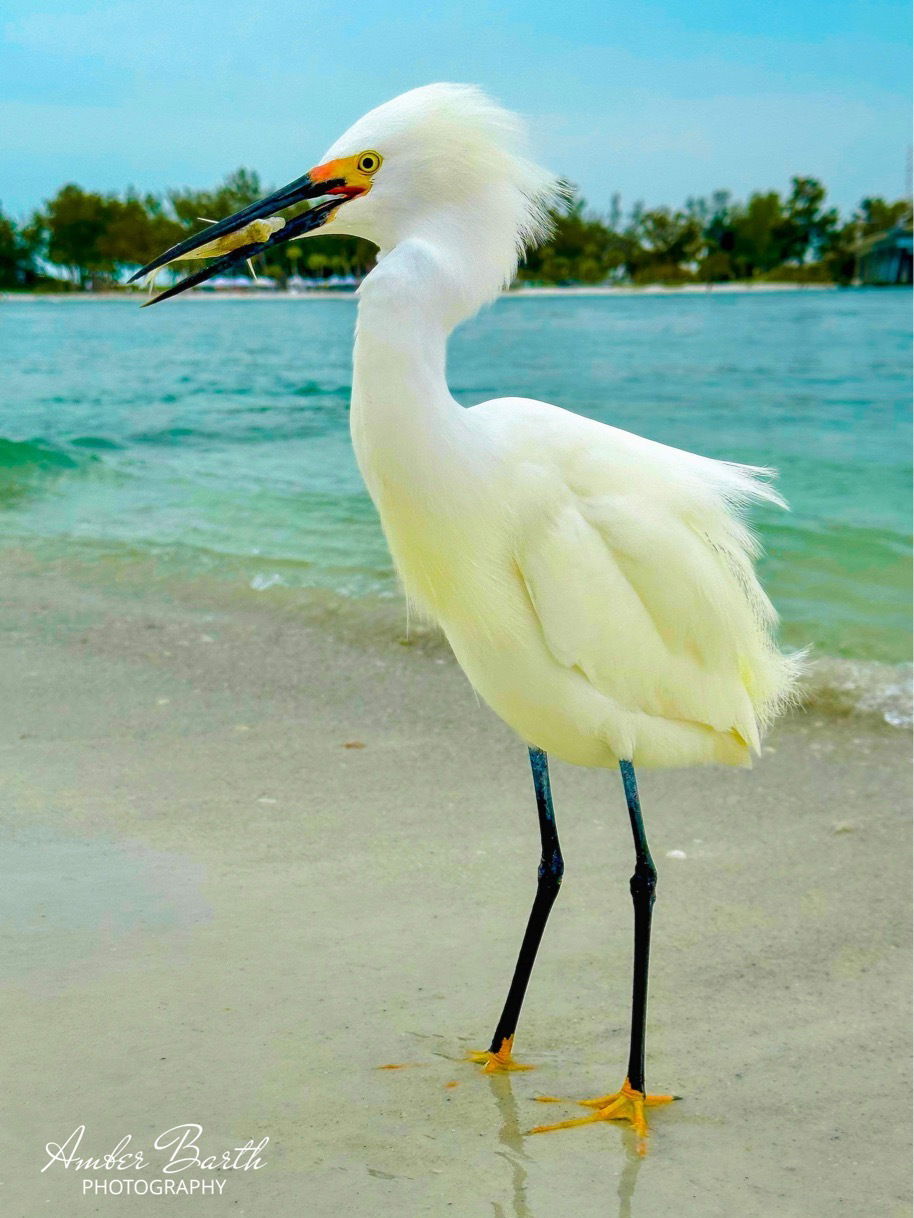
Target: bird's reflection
629,1177
512,1139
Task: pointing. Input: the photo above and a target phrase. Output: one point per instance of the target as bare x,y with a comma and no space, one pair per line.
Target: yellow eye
369,162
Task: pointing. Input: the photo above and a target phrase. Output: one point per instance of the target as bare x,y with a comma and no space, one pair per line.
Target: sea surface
210,437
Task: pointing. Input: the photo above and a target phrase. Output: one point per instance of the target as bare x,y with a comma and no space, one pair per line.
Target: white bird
597,588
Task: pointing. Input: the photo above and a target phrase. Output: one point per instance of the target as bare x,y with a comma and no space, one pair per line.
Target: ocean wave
839,686
170,435
28,467
314,389
23,456
101,443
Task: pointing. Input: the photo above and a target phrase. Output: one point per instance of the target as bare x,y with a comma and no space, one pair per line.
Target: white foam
860,687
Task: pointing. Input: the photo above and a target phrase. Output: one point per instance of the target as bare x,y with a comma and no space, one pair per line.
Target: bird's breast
447,554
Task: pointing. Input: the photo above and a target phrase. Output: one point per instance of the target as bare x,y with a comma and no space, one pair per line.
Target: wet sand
215,911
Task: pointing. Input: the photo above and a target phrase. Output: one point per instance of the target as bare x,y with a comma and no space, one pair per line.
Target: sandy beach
257,848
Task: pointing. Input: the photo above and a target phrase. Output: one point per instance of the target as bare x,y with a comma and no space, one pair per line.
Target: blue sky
655,100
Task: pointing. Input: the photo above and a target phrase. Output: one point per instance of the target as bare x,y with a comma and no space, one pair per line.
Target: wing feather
640,569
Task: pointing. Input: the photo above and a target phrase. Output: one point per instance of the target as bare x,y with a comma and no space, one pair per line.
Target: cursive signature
182,1141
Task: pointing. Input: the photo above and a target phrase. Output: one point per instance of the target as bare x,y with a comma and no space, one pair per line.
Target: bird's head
442,159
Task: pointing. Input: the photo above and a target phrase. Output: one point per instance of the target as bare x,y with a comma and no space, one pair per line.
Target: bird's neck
435,272
405,423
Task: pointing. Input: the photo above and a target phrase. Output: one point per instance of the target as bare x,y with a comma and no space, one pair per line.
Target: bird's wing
640,569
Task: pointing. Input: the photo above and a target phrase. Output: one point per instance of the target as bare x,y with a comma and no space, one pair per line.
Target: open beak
249,232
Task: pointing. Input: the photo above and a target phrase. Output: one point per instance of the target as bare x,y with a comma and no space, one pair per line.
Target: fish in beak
257,227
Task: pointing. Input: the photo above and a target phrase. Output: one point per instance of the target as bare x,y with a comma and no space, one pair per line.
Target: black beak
297,191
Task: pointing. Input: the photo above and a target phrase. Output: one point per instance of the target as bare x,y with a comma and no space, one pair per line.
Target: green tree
667,241
95,237
839,257
72,228
18,267
716,215
755,236
806,228
137,229
875,215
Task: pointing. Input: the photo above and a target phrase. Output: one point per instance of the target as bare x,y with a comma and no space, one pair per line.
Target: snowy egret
597,588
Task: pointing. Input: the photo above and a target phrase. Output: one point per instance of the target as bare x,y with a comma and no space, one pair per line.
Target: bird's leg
642,885
629,1102
549,880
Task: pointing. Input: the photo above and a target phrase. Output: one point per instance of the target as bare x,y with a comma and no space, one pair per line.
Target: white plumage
596,587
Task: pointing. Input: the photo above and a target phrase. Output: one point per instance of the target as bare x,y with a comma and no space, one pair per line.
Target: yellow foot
497,1062
625,1105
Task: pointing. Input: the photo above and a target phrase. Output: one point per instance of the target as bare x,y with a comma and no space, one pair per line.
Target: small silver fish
252,234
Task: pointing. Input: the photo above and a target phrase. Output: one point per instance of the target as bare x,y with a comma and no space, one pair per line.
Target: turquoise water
213,434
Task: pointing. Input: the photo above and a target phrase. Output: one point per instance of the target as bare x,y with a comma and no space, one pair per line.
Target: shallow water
213,434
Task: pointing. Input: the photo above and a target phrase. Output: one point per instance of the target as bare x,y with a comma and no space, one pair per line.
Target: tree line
85,239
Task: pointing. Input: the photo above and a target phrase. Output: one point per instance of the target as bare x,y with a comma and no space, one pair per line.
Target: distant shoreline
663,289
686,289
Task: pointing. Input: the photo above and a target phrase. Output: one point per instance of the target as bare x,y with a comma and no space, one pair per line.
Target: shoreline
686,289
866,690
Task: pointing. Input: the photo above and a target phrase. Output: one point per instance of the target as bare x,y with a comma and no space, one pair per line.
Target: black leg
549,880
643,883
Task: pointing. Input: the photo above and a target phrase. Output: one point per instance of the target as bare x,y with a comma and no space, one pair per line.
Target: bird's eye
369,162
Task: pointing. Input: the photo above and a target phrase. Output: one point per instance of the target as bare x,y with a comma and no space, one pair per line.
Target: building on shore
885,258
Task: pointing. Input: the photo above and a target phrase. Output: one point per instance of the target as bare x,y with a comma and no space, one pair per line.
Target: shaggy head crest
447,145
